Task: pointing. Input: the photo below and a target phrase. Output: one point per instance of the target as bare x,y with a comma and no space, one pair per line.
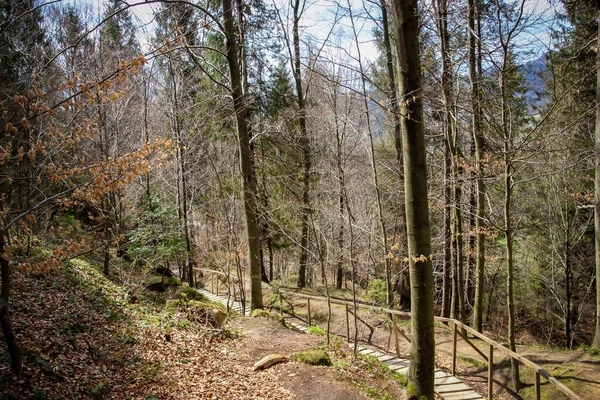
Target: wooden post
538,389
281,305
217,285
347,325
308,309
212,283
454,337
491,373
396,340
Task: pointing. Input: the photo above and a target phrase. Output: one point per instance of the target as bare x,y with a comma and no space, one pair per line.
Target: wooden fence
458,328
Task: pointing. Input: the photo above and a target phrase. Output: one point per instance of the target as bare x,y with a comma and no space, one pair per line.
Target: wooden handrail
539,371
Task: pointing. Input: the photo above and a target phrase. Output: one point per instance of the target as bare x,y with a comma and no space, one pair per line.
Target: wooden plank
453,388
447,381
398,363
466,339
491,373
441,374
347,325
400,370
467,395
454,330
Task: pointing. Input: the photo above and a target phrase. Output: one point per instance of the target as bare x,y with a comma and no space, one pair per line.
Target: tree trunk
305,145
474,59
596,342
341,190
508,232
249,181
14,349
395,111
514,364
569,342
447,268
382,225
422,358
458,295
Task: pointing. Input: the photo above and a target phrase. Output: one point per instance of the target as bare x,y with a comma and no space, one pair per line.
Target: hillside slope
84,337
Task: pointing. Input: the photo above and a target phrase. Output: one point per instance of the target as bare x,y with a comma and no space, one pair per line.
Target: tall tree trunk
305,145
382,225
514,364
10,338
422,358
395,112
340,264
249,182
458,295
262,199
569,342
447,268
596,342
341,190
474,59
508,231
189,262
471,252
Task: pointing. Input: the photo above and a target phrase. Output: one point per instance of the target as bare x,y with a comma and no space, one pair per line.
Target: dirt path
343,381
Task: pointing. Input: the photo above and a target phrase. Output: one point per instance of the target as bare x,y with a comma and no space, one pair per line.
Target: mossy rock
313,357
260,313
265,314
189,293
161,283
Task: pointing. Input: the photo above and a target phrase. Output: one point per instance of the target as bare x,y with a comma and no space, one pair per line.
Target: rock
269,361
313,357
165,271
219,317
156,287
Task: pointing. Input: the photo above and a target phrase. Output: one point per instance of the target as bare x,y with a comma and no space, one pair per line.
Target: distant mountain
533,72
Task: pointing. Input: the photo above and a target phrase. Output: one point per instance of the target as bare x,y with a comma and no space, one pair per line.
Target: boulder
219,317
313,357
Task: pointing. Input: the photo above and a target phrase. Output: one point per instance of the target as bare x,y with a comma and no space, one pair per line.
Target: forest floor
578,369
87,337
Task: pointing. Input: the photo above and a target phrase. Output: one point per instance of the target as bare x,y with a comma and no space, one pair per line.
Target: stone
219,317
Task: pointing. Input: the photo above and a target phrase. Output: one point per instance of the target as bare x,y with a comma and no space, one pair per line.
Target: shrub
377,292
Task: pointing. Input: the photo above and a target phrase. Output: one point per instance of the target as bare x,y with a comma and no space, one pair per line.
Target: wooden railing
458,328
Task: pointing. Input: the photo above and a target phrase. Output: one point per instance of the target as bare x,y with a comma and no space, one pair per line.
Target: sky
319,15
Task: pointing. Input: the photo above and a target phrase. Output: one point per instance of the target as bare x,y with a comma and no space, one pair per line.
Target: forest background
131,141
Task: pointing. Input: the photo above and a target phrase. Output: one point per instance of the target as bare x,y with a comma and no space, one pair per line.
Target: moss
167,281
472,361
188,293
260,313
313,357
268,315
316,330
171,281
